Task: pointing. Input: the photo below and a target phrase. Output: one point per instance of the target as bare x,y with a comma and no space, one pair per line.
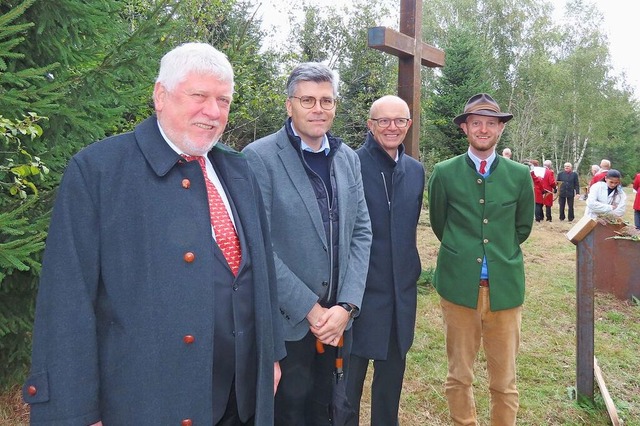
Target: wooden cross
412,53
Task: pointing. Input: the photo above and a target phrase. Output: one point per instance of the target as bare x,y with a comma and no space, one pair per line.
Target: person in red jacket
636,203
605,165
548,188
544,185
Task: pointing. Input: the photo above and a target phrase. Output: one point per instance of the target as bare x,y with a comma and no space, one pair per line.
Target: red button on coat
186,183
187,422
188,339
189,257
31,390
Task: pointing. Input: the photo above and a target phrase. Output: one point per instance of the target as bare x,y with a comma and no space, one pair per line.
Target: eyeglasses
386,122
309,102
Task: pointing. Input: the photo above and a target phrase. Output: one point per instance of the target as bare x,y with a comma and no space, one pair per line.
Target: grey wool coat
125,308
298,236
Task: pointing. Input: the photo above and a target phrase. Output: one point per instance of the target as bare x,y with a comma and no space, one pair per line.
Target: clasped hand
328,324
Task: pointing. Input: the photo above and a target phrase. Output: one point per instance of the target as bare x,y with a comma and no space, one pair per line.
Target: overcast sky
621,25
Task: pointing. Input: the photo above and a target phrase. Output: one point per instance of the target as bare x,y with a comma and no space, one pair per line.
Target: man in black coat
569,188
143,315
393,187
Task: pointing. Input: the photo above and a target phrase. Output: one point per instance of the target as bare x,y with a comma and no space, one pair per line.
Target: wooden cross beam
412,53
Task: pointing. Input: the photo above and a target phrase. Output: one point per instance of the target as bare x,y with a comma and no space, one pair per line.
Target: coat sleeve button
186,183
187,422
188,339
189,257
32,390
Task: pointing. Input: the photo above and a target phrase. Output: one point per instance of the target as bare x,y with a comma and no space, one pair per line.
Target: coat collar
156,151
162,158
382,159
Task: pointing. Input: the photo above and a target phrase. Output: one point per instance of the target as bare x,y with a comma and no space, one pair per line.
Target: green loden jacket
475,217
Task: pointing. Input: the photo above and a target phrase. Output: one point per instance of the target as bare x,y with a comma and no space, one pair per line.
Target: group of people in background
187,283
604,193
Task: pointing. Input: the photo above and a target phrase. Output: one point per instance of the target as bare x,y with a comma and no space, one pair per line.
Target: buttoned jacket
474,217
300,245
125,308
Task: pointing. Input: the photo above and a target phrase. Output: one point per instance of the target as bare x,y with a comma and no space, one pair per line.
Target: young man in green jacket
481,209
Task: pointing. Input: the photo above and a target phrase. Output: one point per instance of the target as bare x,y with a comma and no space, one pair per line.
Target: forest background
73,72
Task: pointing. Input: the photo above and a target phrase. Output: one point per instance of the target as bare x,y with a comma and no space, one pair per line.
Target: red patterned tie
483,164
226,235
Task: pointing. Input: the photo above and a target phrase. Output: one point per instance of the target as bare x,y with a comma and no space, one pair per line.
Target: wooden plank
585,318
390,41
432,56
608,402
581,229
401,45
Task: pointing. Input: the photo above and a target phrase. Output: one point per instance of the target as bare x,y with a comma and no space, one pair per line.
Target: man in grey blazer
321,235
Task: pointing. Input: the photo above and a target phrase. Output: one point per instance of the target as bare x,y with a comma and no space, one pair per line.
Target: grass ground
547,360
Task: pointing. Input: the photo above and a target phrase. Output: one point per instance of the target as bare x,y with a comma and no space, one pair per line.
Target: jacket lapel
294,168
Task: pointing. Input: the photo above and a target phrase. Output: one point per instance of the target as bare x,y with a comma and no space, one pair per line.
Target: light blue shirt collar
324,147
476,162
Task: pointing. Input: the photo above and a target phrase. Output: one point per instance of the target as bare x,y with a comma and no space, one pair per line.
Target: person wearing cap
607,196
481,209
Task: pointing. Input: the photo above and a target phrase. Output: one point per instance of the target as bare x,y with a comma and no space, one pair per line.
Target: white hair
201,58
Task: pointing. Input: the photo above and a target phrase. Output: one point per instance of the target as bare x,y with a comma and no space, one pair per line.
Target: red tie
483,164
226,235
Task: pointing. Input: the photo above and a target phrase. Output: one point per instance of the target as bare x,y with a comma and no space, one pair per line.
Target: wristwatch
351,309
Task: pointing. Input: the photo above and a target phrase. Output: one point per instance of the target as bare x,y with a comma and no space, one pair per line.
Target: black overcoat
394,265
125,309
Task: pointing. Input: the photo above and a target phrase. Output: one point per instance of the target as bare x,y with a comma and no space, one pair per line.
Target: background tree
22,236
96,69
464,74
338,38
90,67
555,79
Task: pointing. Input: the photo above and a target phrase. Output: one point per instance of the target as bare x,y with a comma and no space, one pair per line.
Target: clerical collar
324,147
